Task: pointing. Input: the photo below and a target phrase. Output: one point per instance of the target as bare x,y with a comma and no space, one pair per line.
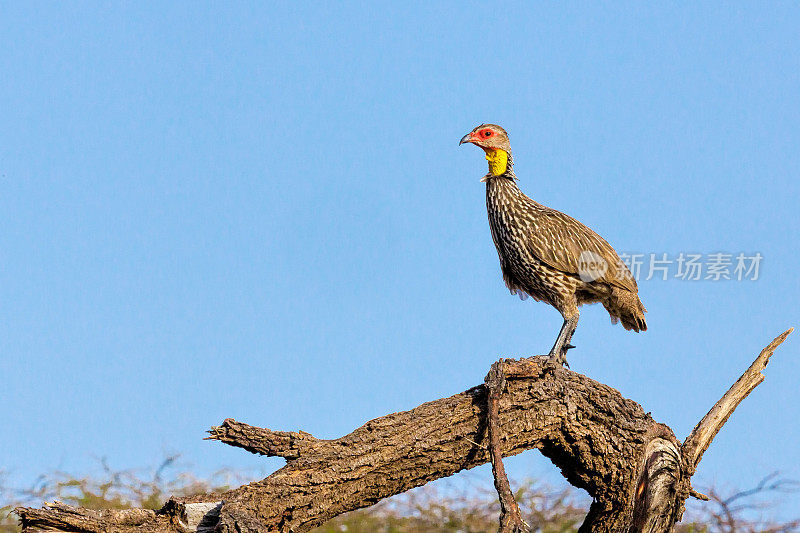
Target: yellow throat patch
498,161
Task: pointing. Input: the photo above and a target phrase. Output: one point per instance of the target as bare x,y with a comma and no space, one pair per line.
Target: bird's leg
558,353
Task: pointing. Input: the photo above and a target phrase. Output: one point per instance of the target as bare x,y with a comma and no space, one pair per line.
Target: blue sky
260,211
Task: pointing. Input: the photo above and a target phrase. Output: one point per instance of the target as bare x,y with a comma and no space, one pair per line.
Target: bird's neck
500,164
498,161
503,187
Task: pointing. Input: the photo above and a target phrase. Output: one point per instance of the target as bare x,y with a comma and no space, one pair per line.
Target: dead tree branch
510,515
262,441
635,469
704,432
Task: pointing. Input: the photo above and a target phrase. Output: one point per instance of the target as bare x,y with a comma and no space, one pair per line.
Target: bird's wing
558,240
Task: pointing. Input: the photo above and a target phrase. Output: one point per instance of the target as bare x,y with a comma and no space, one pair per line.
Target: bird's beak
466,139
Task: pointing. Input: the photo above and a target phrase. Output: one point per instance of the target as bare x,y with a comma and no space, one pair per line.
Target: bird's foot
560,356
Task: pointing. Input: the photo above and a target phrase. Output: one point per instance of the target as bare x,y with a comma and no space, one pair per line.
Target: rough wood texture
637,472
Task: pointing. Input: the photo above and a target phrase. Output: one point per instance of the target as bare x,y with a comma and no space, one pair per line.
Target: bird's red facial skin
477,137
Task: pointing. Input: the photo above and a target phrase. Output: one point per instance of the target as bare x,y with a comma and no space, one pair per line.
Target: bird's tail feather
626,307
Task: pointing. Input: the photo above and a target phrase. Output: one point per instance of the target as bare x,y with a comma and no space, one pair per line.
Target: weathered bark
635,469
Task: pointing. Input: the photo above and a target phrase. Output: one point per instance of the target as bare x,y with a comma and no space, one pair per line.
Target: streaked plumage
543,252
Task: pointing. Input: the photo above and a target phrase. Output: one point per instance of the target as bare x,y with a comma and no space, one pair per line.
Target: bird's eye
487,133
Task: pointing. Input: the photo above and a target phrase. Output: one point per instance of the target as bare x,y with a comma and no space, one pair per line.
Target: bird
548,255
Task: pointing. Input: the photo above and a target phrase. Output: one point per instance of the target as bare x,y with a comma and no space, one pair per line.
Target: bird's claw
560,358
